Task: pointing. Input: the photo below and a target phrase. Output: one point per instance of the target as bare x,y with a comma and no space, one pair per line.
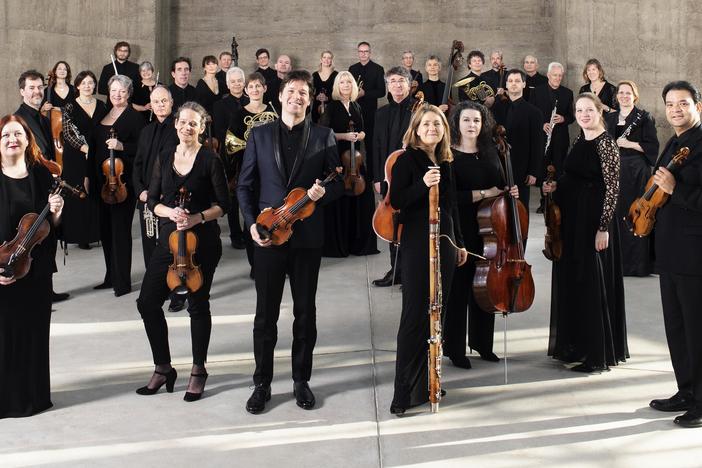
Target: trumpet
150,223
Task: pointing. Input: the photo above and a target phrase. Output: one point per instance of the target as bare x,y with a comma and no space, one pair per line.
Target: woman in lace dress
587,295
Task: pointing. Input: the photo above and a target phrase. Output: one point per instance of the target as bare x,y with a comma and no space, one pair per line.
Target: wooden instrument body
492,282
352,161
56,119
386,218
183,271
553,244
642,213
278,221
114,189
435,351
15,255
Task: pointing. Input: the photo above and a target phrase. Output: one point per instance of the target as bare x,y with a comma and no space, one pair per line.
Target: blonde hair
319,68
411,139
336,94
598,105
632,85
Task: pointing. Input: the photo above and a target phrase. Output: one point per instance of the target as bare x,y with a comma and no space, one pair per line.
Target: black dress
322,87
588,322
637,252
478,171
204,95
25,306
607,94
409,193
348,227
433,91
57,101
141,97
80,220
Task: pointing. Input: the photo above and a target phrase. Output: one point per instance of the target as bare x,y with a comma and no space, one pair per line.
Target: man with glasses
122,51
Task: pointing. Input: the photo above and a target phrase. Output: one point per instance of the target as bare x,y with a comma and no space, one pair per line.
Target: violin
276,223
503,282
352,160
211,143
183,276
553,245
455,59
386,219
114,189
16,255
54,168
642,212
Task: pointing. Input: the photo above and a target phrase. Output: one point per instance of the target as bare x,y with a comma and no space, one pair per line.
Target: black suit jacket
373,77
525,134
263,183
384,142
544,97
41,132
127,68
149,147
182,95
678,228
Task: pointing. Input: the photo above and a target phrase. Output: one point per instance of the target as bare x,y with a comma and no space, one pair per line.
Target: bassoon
435,300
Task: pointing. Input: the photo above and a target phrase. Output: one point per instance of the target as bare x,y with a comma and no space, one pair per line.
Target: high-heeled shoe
190,396
460,361
170,383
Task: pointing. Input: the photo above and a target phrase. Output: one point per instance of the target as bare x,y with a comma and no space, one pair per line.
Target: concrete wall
647,41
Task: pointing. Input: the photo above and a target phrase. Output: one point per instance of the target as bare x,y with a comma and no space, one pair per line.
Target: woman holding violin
25,304
323,80
426,162
200,173
347,221
634,130
117,134
588,323
479,175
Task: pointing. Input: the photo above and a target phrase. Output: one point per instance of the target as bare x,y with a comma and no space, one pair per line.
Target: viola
455,59
16,255
276,223
642,212
553,244
503,282
352,160
183,276
386,219
114,189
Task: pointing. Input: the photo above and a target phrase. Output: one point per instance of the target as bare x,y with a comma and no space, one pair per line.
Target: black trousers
148,244
235,231
154,292
116,238
681,297
302,266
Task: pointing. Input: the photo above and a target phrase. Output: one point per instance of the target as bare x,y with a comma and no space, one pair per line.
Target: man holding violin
281,155
31,86
679,251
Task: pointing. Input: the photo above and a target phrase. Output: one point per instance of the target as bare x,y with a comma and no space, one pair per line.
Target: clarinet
435,300
548,137
628,129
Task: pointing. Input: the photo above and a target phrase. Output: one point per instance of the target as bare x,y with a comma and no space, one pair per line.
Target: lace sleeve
71,135
608,152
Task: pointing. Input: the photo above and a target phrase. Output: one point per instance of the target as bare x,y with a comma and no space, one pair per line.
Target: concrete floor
545,416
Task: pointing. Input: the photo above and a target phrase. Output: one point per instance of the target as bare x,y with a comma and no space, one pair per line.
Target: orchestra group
280,144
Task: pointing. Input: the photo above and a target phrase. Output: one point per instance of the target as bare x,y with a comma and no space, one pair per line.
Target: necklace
87,102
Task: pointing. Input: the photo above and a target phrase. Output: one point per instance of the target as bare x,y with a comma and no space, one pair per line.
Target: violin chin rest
263,232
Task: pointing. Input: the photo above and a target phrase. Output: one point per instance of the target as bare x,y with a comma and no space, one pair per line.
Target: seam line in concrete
373,368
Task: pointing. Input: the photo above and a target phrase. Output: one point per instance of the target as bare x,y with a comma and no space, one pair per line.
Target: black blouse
205,97
127,129
57,101
608,94
338,119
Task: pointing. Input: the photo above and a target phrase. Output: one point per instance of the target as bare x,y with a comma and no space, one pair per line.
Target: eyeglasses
364,51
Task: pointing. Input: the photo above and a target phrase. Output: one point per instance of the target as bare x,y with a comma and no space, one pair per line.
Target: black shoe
303,395
540,209
170,382
258,399
489,356
104,285
58,297
460,361
589,369
693,418
397,410
122,292
387,280
177,303
85,246
676,403
238,243
191,396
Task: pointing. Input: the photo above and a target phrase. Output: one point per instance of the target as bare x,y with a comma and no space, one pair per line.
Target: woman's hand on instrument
547,128
549,187
316,191
114,144
461,257
530,180
665,180
143,196
177,214
187,221
601,240
257,237
514,191
85,149
432,177
5,281
55,204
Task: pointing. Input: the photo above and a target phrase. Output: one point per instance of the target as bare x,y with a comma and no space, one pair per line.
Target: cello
455,59
503,282
553,245
113,190
352,160
55,116
183,276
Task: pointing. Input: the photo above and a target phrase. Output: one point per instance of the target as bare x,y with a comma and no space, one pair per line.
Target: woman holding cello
347,221
426,162
588,323
25,304
201,173
479,175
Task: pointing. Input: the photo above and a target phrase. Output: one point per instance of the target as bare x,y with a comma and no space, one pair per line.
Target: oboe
435,300
552,124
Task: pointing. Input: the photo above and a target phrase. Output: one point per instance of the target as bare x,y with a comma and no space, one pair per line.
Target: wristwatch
202,215
482,194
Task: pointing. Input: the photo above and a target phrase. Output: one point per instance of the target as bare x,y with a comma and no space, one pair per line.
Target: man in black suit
31,86
225,61
122,51
371,87
678,241
523,123
391,122
291,152
476,61
181,89
533,77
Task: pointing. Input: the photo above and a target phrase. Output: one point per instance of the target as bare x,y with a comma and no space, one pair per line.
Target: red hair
32,152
